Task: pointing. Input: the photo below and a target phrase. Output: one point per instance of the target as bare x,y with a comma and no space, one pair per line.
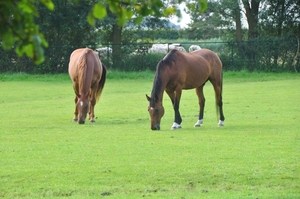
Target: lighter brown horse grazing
88,75
179,70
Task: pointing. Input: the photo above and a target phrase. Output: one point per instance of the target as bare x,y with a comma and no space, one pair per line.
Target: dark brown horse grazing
179,70
88,75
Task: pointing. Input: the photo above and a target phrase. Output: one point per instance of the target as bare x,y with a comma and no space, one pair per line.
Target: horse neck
159,86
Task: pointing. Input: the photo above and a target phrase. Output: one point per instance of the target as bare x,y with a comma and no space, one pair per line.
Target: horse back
197,67
214,62
92,60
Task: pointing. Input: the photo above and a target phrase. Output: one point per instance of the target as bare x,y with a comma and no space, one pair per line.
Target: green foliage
152,35
17,20
17,26
64,36
125,10
45,155
142,62
270,56
279,19
231,21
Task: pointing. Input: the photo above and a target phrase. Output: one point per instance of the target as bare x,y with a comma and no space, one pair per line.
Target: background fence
263,55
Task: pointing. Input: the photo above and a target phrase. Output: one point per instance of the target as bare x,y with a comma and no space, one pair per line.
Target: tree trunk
238,30
252,17
280,13
238,24
116,39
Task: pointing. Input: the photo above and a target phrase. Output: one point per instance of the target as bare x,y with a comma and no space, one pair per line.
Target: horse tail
102,81
219,103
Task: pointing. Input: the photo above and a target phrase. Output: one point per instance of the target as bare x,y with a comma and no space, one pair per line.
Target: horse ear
148,98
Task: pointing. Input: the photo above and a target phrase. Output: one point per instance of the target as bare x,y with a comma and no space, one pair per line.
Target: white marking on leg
199,123
175,126
221,123
81,103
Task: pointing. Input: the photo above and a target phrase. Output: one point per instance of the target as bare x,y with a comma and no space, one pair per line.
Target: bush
139,62
259,55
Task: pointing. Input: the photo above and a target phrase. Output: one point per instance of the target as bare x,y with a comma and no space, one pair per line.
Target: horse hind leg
92,104
222,118
201,102
219,102
92,107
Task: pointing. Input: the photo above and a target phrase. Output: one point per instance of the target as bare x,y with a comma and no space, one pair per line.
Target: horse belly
194,81
187,87
197,72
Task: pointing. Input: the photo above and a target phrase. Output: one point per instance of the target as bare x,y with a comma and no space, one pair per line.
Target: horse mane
167,61
82,67
157,86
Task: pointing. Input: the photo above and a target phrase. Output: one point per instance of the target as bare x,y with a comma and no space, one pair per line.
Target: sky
185,18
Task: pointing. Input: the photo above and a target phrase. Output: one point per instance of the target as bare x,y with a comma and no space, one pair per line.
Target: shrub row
267,56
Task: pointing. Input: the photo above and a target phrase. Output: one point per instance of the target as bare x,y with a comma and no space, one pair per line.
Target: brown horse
88,75
179,70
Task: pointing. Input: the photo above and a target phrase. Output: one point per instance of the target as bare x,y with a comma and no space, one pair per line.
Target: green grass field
44,154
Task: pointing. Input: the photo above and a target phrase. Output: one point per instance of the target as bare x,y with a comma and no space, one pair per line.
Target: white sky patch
185,18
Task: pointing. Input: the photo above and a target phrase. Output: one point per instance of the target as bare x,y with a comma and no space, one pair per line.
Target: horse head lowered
156,111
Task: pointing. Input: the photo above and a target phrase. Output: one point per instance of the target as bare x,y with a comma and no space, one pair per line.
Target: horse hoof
199,123
75,120
221,123
92,121
175,126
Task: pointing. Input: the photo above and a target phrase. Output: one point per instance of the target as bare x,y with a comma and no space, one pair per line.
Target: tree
65,30
204,26
280,18
114,35
18,27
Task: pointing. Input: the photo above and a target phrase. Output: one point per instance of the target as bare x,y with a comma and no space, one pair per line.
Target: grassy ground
43,154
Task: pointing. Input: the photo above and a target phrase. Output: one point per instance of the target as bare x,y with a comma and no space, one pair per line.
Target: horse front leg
76,88
175,98
201,101
75,118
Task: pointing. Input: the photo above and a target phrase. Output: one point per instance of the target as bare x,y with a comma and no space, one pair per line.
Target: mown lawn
43,154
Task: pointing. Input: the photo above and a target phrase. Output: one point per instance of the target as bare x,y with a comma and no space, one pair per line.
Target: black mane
168,61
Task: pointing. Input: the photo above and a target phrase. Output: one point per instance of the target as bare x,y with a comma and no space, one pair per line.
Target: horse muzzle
155,127
81,122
